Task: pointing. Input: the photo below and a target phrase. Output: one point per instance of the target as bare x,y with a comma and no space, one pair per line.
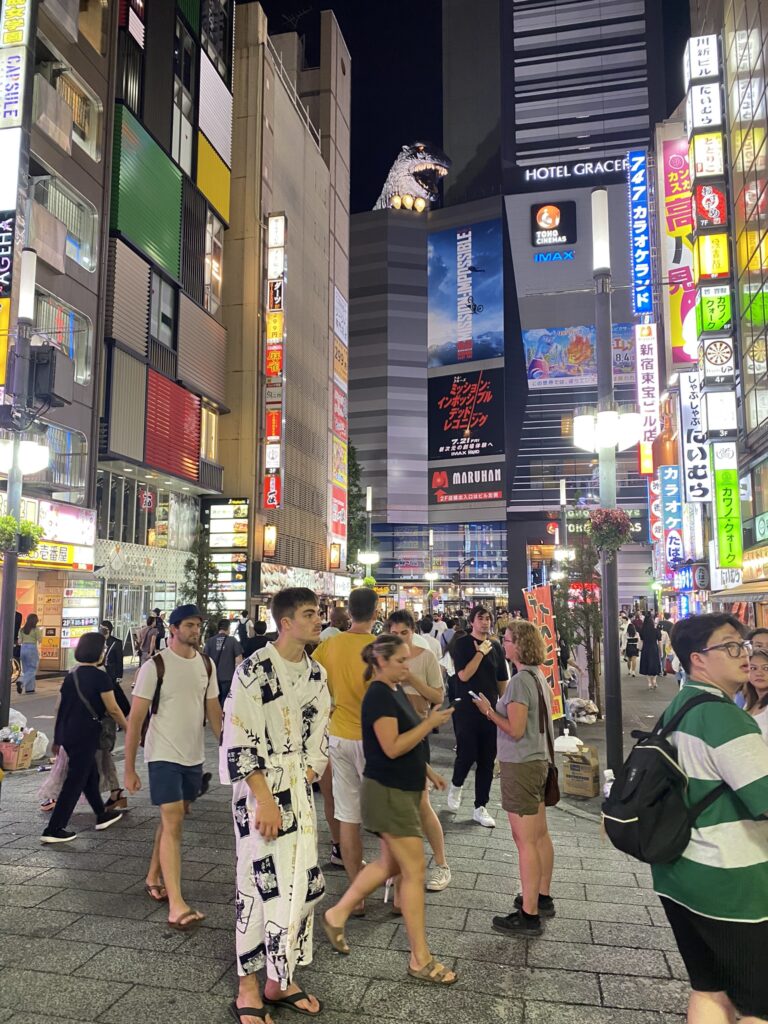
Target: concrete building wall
388,360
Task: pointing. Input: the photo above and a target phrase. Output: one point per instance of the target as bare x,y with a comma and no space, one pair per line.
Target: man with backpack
226,654
692,800
180,690
244,628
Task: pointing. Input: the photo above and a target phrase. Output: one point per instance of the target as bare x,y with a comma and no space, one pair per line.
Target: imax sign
562,256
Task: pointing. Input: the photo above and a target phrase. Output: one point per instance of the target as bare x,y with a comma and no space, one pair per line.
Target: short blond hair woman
523,718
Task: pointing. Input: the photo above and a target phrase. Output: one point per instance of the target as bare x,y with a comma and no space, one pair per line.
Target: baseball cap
184,611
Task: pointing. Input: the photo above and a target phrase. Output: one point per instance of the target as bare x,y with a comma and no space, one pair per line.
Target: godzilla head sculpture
412,183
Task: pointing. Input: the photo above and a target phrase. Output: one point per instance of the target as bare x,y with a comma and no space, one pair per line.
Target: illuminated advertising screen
564,357
553,223
640,235
465,294
475,481
677,252
466,414
714,308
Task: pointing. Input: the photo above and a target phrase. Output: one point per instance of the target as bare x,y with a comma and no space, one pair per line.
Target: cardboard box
18,756
581,773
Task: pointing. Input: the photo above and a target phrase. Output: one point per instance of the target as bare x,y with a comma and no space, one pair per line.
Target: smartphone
454,702
473,695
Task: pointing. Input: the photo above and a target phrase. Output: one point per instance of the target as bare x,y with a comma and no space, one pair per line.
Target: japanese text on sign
727,507
642,287
538,603
647,362
671,516
697,477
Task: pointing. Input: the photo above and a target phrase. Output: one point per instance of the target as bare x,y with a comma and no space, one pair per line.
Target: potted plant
30,535
19,536
369,581
609,529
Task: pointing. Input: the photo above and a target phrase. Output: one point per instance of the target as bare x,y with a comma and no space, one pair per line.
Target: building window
131,73
92,23
76,213
85,107
209,433
162,318
64,477
67,329
216,34
214,255
183,97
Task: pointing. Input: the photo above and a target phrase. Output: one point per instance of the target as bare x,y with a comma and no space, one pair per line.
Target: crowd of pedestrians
352,714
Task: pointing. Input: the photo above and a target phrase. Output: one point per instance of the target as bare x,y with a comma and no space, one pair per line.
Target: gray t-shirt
222,650
524,688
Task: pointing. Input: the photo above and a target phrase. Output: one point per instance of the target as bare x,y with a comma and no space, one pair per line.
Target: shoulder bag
552,785
106,724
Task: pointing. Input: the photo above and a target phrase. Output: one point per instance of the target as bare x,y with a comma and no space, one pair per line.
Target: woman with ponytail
395,774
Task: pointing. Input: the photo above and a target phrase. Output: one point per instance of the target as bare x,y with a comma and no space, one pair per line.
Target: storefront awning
751,592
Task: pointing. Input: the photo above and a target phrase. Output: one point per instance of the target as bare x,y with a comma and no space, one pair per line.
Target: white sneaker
482,817
439,878
454,797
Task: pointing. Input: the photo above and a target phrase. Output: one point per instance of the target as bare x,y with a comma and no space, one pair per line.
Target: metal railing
291,90
162,358
211,476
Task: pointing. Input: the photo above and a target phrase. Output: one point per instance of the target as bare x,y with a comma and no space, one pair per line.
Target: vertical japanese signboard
670,482
694,450
677,253
274,365
712,274
538,603
647,361
639,230
727,506
339,426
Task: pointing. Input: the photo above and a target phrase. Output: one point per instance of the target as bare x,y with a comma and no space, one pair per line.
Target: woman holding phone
396,771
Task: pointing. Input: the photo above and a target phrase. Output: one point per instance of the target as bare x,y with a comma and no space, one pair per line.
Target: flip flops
247,1011
150,890
187,921
289,1002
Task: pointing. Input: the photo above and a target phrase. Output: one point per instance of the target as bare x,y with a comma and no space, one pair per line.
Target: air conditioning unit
52,376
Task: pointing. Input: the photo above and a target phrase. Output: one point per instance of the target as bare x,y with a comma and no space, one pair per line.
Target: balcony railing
162,358
211,476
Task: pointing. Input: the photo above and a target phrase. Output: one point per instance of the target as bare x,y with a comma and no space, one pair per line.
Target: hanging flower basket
609,529
369,581
19,536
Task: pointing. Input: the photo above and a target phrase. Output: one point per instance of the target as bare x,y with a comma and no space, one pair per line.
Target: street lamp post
368,515
601,271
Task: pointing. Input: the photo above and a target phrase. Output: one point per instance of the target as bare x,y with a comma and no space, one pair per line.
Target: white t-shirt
429,643
762,720
328,632
440,627
176,732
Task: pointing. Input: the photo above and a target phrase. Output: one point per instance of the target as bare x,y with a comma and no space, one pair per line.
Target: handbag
552,785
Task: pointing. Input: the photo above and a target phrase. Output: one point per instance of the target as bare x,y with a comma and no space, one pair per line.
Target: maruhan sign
582,169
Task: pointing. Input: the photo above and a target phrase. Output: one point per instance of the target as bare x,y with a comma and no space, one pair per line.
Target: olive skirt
392,811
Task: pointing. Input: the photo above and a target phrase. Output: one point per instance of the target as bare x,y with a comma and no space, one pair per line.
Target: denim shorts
170,782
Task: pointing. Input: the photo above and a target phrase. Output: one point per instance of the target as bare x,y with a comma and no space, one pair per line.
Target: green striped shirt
723,873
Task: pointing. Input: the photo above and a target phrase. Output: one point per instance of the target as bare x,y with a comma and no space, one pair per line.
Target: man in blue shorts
180,688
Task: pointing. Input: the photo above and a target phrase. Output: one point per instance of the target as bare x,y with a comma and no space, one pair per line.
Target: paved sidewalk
82,942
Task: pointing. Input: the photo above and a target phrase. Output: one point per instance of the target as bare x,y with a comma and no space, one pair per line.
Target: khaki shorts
347,764
394,812
522,786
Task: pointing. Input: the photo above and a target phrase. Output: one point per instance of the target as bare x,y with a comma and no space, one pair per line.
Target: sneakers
546,905
518,922
336,859
454,797
439,878
482,817
108,818
59,836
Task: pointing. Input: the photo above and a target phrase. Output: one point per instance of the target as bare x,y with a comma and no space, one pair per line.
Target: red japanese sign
273,423
338,511
273,359
273,491
710,204
538,603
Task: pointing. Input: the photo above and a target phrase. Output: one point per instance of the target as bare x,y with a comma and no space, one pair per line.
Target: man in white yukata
273,746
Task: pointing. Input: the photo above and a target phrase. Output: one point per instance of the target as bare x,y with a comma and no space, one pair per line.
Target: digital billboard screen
466,414
565,357
466,294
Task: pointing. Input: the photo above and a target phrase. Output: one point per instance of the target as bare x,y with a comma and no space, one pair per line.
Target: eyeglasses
734,648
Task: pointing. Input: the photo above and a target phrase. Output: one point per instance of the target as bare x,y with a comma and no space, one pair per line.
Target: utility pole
601,270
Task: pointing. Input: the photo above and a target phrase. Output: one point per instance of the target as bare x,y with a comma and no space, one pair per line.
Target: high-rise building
285,305
533,83
56,60
542,102
163,385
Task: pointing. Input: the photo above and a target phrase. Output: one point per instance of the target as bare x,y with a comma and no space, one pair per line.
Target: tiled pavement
81,942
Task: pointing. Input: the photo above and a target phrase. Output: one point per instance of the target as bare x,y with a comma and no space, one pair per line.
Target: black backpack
645,814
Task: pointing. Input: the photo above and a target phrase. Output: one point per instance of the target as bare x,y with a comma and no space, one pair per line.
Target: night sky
396,73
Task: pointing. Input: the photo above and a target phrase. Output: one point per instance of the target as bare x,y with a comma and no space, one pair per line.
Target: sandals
335,936
187,921
290,1003
247,1011
434,972
150,890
